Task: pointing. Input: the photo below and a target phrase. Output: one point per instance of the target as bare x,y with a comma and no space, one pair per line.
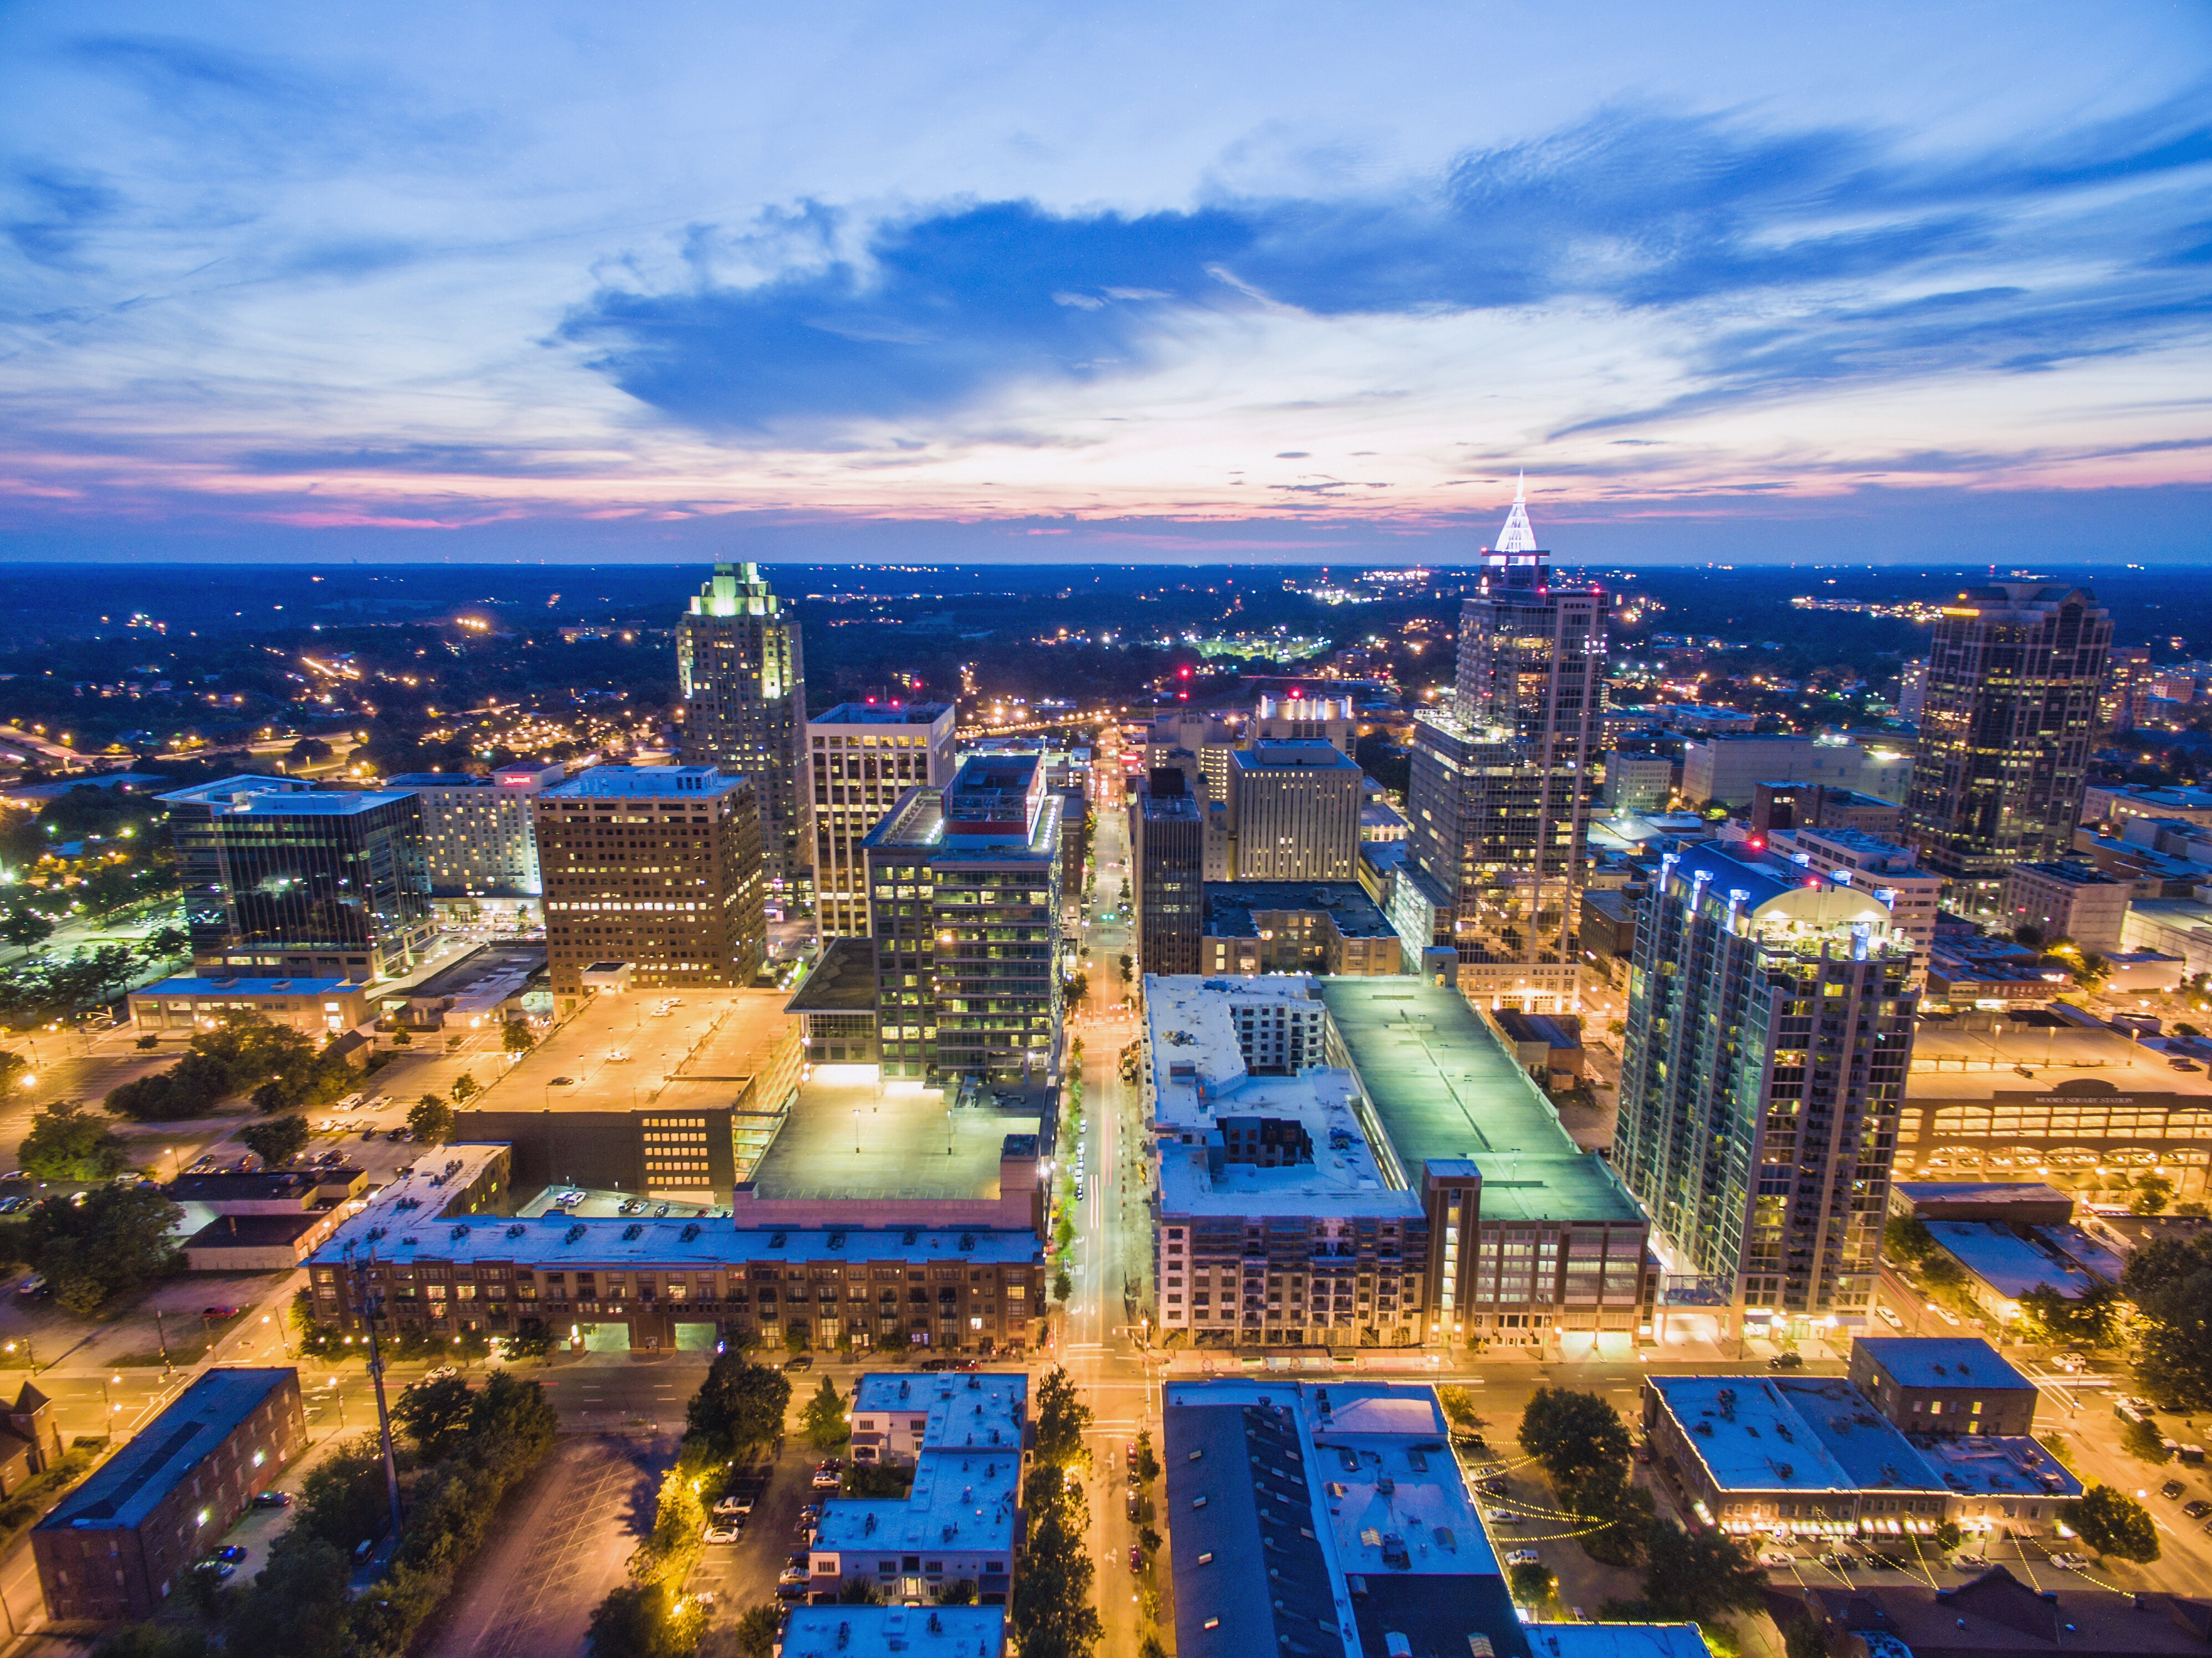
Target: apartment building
863,756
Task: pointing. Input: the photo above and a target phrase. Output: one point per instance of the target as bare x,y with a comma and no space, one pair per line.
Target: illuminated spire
1517,537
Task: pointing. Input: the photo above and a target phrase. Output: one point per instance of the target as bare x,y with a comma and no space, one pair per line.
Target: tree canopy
67,1143
739,1405
2170,1282
1062,1419
1700,1575
826,1423
116,1242
2112,1522
1574,1436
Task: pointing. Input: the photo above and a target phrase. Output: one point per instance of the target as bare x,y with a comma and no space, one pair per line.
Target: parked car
934,1365
1776,1558
369,1132
1506,1517
217,1570
733,1508
229,1552
272,1499
33,1286
2070,1562
1136,1558
799,1361
829,1476
721,1533
2171,1489
1786,1362
1970,1561
1945,1313
1524,1557
2197,1509
218,1311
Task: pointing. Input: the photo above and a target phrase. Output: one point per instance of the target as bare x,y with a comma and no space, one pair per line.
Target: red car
1136,1558
218,1312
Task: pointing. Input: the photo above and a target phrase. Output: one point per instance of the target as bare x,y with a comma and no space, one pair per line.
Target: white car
1776,1558
1524,1557
1945,1313
1887,1314
2070,1562
721,1534
1506,1517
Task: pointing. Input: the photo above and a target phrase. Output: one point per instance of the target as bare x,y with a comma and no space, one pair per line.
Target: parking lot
743,1574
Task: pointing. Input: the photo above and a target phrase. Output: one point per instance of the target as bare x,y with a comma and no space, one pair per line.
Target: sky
1178,282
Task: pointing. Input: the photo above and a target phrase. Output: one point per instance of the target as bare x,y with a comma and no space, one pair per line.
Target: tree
739,1405
1616,1517
1459,1408
515,1413
1573,1435
25,928
2142,1441
758,1628
1949,1536
15,1071
164,942
344,1499
516,1038
859,1592
644,1620
151,1640
465,1088
277,1140
115,1243
1531,1584
66,1143
1148,1465
1699,1575
826,1423
307,751
298,1605
1051,1610
533,1339
433,1414
2091,1318
431,1121
1906,1238
2153,1192
2170,1282
1805,1637
1062,1419
1063,1285
2112,1522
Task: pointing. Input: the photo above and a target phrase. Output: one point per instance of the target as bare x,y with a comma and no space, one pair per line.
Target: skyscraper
862,756
1167,831
654,872
1769,1031
2014,673
476,834
1294,808
744,678
1503,780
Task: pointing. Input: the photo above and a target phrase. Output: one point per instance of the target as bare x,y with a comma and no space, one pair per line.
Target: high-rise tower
1503,781
2014,673
743,679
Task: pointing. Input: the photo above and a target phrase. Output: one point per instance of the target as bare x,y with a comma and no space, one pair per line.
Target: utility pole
369,1301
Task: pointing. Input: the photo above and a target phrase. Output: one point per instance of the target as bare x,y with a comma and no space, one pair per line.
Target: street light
112,1406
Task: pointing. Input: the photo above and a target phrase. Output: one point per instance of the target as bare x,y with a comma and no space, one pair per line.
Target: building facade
1294,808
656,867
478,837
283,880
2014,673
1167,849
2067,898
1294,926
741,670
861,758
1770,1032
964,894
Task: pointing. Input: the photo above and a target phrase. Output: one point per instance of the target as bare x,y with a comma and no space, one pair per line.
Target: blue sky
1169,282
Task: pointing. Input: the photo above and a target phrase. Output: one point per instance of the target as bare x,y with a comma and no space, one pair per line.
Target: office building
2066,898
1776,806
611,1285
742,674
1637,782
1294,808
2013,676
862,756
2124,703
1943,1385
477,839
1726,770
964,884
1296,926
316,1006
281,880
119,1545
1167,834
1360,1162
1913,690
1769,1031
654,874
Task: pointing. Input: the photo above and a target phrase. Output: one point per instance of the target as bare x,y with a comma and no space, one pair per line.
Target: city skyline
1204,288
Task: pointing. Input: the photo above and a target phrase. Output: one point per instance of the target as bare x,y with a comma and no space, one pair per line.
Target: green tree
2153,1194
1063,1285
824,1418
164,942
277,1140
2091,1318
1699,1575
1906,1238
2112,1522
15,1071
67,1143
1616,1515
859,1593
342,1500
115,1243
298,1604
1804,1637
1148,1464
2142,1441
645,1620
516,1038
151,1640
1531,1583
2170,1282
24,928
1575,1436
1459,1408
1051,1610
431,1121
739,1405
465,1088
435,1415
515,1414
758,1628
1062,1419
533,1339
1949,1536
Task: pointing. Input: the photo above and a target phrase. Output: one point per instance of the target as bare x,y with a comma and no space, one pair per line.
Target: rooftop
918,1632
1941,1362
229,788
556,1241
1292,754
1443,1087
620,1051
191,986
1759,1434
123,1493
883,713
272,1185
254,1231
1998,1615
849,1137
2007,1465
962,1408
1618,1641
352,804
1232,906
646,783
843,981
961,1499
2006,1262
2028,1194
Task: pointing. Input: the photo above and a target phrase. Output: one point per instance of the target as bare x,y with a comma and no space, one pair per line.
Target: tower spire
1518,536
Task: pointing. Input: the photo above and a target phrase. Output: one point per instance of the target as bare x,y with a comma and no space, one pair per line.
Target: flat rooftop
2006,1262
122,1494
1232,906
852,1135
1754,1433
917,1632
1999,1464
883,713
961,1499
1444,1088
843,981
647,783
1941,1362
618,1051
1618,1641
554,1241
1950,1062
961,1410
486,977
191,987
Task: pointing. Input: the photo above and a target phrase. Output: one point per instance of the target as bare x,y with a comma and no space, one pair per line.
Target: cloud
53,211
1850,253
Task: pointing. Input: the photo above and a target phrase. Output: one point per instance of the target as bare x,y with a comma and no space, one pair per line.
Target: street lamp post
109,1404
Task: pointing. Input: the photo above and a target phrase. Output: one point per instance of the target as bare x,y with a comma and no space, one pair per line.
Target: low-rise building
2004,1263
120,1543
30,1439
1997,1616
2069,900
1296,926
1943,1385
2020,1203
1548,1046
917,1631
957,1525
897,1416
184,1006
